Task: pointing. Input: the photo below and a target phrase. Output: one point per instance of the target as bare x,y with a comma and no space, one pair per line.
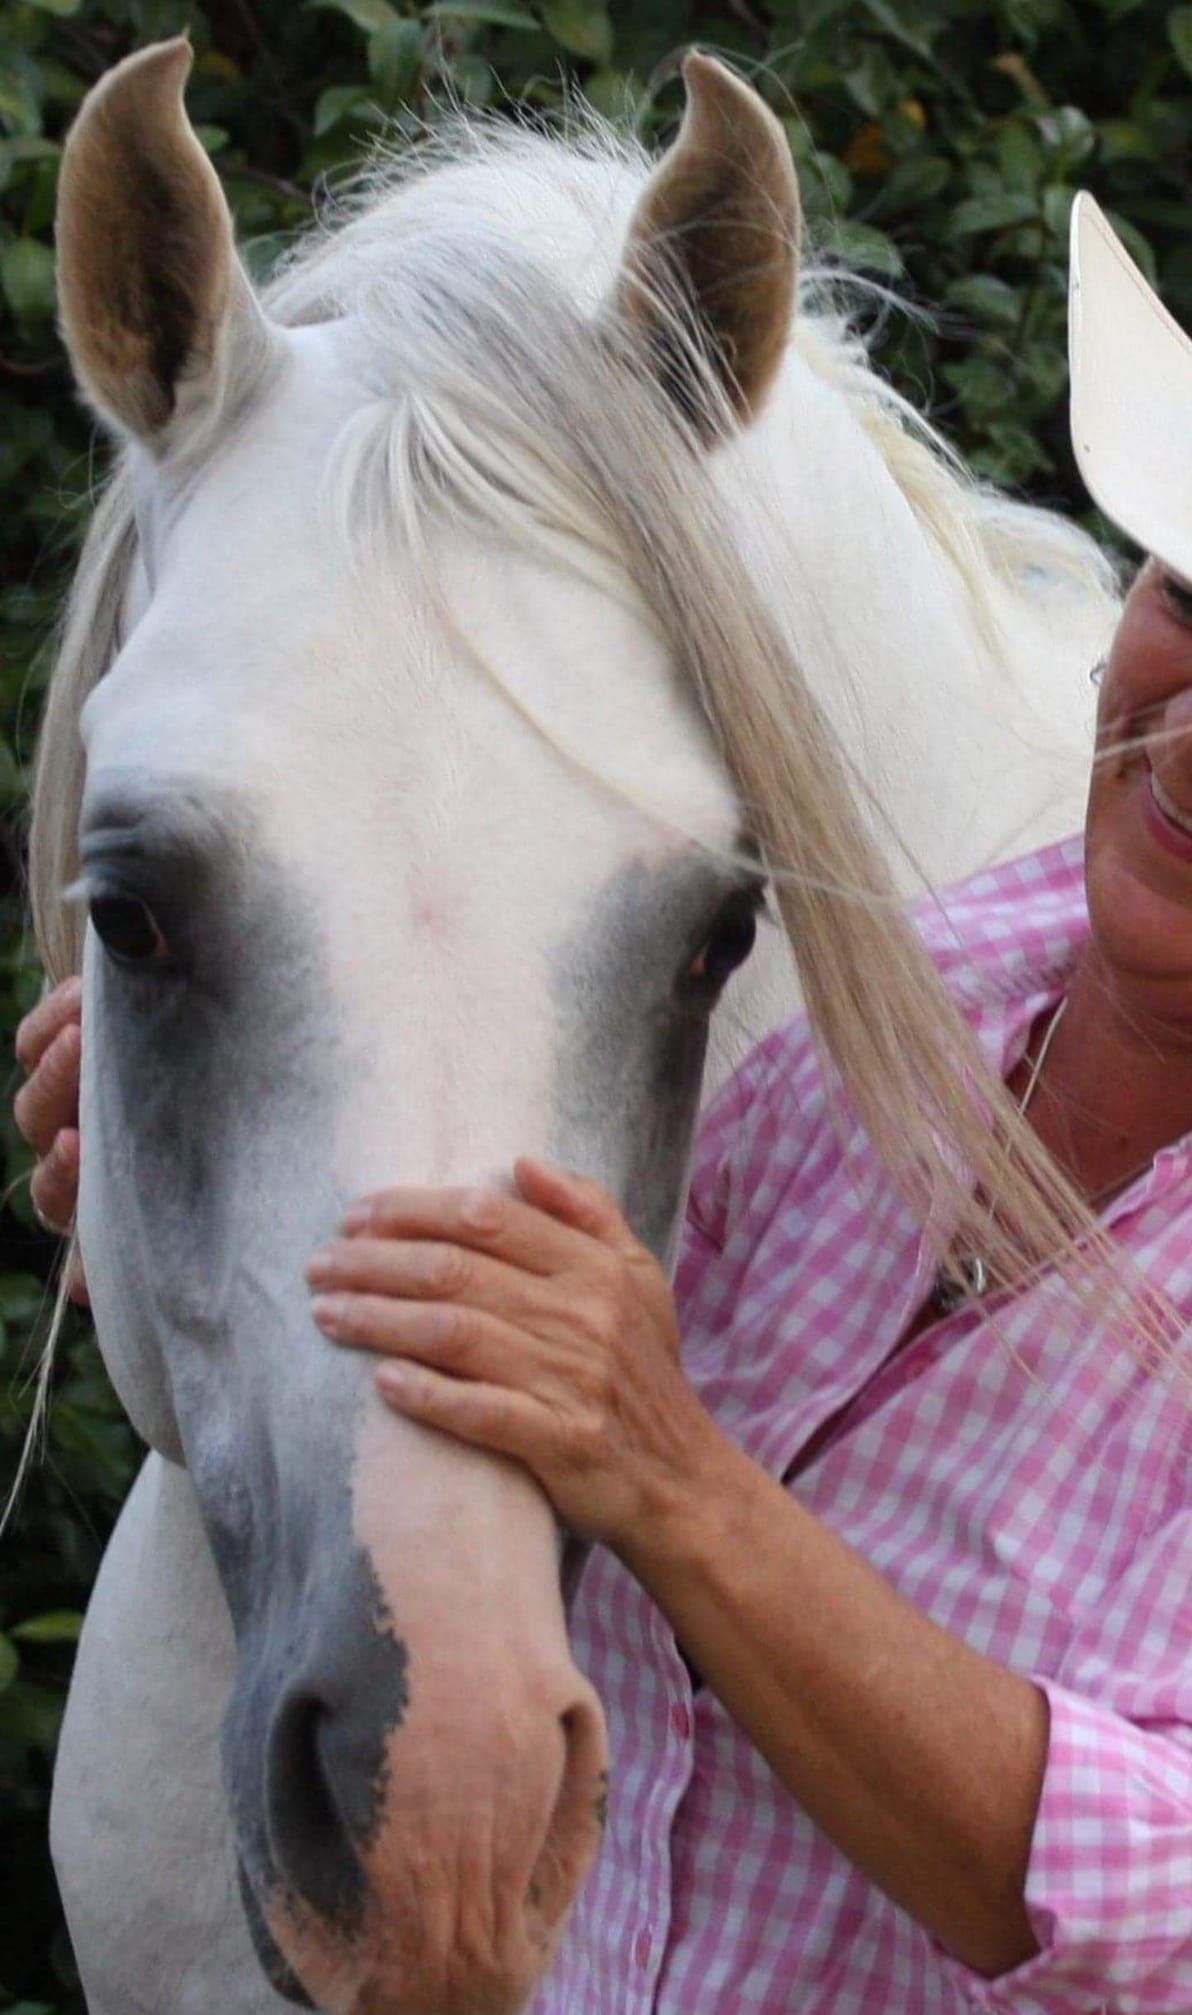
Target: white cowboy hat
1131,410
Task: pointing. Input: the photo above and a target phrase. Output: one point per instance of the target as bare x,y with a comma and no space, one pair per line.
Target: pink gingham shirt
1032,1492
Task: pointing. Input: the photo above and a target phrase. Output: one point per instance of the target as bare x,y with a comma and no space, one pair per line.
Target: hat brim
1131,403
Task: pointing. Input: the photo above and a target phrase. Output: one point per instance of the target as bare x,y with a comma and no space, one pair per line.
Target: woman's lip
1169,836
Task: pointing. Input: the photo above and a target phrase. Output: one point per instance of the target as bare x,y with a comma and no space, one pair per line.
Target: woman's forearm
921,1759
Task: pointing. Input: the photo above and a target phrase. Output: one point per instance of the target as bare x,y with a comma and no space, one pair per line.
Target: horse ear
157,312
715,235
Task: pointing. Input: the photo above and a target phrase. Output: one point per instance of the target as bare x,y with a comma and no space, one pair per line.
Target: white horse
421,643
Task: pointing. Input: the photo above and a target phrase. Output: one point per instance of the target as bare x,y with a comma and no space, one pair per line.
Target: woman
926,1559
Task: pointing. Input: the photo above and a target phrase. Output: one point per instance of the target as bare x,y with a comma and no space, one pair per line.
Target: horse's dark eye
128,929
726,947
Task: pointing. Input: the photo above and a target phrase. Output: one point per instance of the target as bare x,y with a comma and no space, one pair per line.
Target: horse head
406,847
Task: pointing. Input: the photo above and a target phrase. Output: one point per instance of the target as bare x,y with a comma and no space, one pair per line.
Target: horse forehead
347,708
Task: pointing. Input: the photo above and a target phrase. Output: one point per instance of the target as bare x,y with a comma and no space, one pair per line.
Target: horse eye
128,929
726,947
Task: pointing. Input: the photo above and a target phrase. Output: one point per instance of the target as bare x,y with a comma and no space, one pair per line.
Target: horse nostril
310,1842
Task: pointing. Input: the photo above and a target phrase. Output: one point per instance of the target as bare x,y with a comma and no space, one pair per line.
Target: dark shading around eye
127,929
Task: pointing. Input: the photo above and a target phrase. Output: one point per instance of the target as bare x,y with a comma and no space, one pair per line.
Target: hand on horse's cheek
536,1326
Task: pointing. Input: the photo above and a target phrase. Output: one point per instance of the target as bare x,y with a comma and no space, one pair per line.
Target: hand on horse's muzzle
534,1325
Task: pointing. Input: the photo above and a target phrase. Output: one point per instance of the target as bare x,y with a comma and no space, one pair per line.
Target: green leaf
336,103
367,14
30,1716
909,185
581,26
27,277
1057,210
14,154
395,61
472,78
889,17
57,1626
1179,29
20,109
9,1662
1125,140
212,138
488,12
991,213
618,94
990,300
1019,156
56,6
1070,138
866,248
22,1297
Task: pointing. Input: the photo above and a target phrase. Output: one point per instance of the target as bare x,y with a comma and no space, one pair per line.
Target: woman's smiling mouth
1169,824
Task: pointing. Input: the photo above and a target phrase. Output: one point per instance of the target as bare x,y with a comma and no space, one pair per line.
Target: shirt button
641,1948
680,1720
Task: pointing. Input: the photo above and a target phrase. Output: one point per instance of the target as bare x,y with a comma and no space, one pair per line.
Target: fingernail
357,1217
329,1310
393,1380
322,1266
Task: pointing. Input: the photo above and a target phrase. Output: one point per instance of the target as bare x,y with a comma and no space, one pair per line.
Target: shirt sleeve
1109,1886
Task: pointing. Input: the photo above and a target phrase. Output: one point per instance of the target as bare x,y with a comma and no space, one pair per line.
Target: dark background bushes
938,147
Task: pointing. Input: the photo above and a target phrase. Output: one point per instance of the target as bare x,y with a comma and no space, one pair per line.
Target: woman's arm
921,1759
541,1328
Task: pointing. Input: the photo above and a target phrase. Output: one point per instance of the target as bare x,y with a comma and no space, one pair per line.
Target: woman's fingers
49,1100
424,1270
491,1417
51,1015
55,1184
543,1230
463,1342
574,1200
481,1219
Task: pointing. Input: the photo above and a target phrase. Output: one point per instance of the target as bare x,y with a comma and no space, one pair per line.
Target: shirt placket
651,1930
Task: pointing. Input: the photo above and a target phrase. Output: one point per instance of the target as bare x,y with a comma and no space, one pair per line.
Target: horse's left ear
715,238
162,326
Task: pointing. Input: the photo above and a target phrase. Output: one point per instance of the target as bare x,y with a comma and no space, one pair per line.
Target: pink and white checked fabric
1029,1490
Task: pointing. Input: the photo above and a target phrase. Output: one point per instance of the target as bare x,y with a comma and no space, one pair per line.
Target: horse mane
500,389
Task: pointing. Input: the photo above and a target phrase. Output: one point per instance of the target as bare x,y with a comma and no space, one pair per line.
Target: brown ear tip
701,72
140,78
173,59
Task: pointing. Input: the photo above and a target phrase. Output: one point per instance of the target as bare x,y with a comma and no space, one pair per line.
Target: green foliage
939,143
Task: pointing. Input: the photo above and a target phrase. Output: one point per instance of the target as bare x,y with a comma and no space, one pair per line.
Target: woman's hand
49,1047
535,1325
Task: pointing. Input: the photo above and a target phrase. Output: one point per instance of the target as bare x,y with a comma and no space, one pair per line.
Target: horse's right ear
157,313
